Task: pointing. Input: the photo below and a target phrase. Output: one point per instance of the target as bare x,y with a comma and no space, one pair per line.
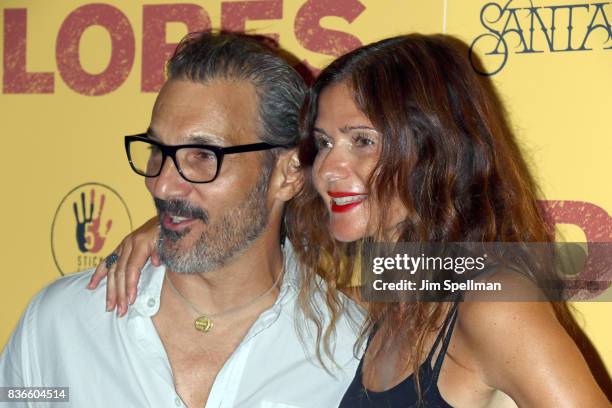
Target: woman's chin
346,234
349,227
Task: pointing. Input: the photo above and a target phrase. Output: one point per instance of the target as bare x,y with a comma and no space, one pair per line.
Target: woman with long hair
403,142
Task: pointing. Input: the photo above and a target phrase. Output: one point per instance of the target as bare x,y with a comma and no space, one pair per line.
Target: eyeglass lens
196,164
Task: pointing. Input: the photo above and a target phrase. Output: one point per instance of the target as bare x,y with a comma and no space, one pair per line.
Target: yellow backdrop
77,76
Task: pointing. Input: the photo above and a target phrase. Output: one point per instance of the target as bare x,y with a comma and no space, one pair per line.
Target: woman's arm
524,351
123,275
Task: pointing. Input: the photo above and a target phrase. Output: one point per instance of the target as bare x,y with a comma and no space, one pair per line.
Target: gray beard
223,240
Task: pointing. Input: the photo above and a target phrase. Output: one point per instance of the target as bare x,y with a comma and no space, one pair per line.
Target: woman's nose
335,164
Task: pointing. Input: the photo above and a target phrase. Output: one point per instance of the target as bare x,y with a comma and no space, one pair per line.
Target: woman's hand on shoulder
123,274
523,350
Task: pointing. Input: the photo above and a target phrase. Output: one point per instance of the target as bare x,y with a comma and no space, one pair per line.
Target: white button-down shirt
67,339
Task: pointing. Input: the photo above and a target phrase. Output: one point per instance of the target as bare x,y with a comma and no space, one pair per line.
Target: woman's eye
322,143
364,140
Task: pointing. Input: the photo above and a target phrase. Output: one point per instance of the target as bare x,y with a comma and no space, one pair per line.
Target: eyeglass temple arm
254,147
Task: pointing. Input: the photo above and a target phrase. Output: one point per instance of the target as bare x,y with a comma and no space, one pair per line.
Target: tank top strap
375,328
446,334
443,336
373,332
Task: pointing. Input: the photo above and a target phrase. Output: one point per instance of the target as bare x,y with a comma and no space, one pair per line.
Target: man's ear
288,176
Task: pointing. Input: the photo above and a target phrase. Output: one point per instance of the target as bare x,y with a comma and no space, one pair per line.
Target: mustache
180,208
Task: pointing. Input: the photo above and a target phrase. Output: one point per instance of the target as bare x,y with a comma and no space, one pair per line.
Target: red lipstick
337,194
335,207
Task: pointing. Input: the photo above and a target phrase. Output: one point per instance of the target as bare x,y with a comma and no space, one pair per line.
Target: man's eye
196,156
205,155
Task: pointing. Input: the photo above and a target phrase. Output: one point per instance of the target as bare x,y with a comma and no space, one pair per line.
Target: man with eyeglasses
219,324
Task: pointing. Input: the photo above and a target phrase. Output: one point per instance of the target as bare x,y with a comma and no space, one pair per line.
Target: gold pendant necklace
203,323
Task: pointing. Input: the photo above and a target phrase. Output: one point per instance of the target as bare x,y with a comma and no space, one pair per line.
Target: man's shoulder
68,296
72,281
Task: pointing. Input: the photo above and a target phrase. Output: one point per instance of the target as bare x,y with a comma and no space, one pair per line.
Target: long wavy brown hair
446,153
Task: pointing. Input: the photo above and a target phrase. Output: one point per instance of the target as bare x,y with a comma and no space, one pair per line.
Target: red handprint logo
88,236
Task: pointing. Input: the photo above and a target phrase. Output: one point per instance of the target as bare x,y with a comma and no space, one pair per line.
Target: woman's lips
345,201
344,208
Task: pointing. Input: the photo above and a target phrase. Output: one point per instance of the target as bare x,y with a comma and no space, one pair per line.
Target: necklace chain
204,322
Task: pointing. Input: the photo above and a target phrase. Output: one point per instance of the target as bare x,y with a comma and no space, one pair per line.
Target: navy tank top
404,394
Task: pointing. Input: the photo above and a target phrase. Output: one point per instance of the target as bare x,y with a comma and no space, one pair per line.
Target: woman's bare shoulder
522,349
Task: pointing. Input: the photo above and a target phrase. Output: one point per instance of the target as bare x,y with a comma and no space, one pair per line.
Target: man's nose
169,184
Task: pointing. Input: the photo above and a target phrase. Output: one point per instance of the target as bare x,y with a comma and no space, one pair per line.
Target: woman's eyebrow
319,130
348,129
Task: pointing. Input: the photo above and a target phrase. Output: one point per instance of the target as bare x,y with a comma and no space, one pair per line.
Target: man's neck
244,278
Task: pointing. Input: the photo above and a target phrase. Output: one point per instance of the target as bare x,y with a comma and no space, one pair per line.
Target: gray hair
204,56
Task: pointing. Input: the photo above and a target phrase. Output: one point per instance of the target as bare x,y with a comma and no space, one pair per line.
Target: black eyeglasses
196,163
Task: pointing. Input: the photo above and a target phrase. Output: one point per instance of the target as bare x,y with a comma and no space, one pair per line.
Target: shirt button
177,401
151,302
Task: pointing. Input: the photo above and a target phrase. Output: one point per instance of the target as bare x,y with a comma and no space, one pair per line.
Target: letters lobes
235,14
330,42
596,224
537,29
16,79
122,55
155,50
